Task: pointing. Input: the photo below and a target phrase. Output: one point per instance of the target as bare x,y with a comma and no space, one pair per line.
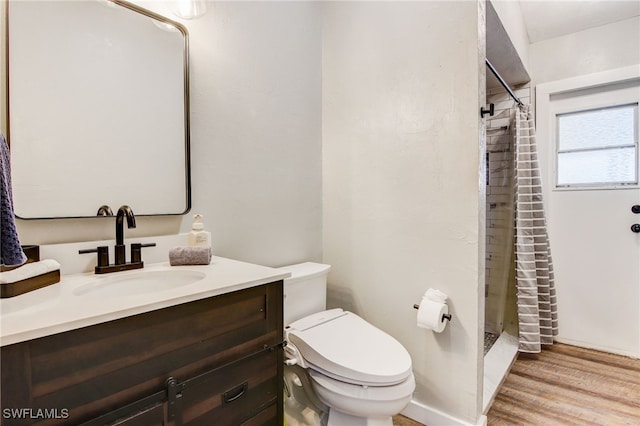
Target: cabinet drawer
152,416
266,417
232,394
95,370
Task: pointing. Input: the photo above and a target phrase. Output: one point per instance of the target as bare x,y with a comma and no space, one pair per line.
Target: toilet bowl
357,405
362,374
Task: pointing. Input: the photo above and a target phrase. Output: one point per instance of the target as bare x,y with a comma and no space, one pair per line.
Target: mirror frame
186,106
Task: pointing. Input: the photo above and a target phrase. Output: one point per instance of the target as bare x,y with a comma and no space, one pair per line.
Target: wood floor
566,385
401,420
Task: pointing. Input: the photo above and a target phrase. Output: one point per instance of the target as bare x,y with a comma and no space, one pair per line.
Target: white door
592,184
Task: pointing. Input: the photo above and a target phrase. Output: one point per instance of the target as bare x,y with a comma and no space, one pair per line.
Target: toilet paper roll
430,315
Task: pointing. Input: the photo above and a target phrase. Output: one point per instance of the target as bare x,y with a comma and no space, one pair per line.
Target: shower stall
501,319
500,311
507,86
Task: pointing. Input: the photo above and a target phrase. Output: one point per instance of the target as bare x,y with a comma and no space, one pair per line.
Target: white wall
580,61
510,15
401,181
258,125
255,137
598,49
591,51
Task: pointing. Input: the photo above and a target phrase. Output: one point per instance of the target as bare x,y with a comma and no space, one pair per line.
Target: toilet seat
369,393
343,346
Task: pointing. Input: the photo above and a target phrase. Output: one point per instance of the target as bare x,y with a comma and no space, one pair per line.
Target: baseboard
611,350
430,416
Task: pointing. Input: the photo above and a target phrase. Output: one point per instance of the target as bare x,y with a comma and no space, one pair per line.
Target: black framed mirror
98,109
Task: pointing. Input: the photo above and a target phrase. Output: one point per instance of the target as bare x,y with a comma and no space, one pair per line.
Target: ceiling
545,19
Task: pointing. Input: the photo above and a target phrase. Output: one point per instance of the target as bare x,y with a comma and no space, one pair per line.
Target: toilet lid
345,347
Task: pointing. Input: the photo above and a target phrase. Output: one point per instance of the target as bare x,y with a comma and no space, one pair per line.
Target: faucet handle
103,254
136,251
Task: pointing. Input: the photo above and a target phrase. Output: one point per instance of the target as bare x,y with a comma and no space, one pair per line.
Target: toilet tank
305,292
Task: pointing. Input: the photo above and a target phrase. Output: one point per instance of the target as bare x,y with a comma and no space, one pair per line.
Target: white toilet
359,372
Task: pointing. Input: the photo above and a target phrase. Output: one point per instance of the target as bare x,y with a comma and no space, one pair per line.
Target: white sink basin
125,284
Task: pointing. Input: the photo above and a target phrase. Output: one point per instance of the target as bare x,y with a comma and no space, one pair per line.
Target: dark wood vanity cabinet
216,361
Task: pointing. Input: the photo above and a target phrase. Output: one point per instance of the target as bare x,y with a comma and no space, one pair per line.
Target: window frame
597,185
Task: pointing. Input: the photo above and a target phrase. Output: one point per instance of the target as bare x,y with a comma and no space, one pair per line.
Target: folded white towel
190,255
29,270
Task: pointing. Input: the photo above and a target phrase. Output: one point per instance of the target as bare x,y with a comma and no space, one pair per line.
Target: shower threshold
497,363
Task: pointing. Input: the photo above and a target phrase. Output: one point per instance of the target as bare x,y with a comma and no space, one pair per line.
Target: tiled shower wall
500,166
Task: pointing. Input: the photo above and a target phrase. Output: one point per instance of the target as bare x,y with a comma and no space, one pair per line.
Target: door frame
545,126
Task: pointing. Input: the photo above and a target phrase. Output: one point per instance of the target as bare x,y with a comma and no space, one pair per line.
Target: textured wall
402,192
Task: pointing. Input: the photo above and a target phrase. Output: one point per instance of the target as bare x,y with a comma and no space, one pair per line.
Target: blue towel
10,251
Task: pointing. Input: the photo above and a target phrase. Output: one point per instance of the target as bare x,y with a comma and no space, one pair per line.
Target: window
598,147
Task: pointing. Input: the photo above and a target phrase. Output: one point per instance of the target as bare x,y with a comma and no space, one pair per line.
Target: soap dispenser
198,237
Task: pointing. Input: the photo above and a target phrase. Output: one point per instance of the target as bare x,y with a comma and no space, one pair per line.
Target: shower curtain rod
504,83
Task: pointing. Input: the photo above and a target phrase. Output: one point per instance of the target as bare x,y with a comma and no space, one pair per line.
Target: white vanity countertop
72,303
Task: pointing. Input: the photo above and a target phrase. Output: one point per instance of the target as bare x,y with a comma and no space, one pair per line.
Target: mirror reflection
98,109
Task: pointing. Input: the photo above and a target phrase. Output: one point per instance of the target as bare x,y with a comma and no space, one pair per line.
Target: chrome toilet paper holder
444,316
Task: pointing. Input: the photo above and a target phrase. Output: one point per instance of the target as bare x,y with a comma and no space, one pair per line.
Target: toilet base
337,418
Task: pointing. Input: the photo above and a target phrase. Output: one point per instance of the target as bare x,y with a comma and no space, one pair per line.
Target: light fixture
190,9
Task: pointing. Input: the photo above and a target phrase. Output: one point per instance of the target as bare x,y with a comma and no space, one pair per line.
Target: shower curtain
536,298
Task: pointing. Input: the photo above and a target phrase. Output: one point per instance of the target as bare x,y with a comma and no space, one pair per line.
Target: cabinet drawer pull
234,393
